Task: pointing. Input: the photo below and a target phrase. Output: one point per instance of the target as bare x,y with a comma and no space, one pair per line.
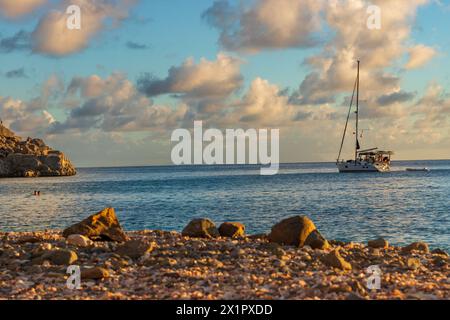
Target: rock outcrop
102,226
30,158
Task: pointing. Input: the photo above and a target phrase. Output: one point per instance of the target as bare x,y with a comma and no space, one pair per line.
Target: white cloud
265,24
18,8
52,37
275,24
21,118
419,56
205,79
263,105
113,104
334,69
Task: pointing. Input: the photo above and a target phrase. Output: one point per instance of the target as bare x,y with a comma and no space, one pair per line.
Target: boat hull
362,166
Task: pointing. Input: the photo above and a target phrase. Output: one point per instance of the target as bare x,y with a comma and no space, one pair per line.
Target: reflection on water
400,206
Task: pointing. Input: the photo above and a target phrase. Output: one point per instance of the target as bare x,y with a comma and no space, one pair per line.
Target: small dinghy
418,169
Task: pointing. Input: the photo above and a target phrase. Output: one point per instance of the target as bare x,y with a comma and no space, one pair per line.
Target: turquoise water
400,206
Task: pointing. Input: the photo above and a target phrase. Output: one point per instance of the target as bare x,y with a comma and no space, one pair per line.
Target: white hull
363,166
368,160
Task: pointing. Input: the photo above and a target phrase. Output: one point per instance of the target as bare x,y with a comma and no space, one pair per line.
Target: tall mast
357,115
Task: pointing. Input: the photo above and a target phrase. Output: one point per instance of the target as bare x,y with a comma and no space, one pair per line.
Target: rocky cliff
30,158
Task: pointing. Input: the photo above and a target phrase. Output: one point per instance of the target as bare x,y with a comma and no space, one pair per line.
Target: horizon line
229,165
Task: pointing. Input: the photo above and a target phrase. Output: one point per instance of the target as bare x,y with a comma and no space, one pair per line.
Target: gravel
179,267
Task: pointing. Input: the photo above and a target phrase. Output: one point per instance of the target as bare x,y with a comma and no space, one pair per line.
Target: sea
400,206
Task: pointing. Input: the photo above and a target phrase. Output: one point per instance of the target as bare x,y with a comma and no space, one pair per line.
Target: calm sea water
399,206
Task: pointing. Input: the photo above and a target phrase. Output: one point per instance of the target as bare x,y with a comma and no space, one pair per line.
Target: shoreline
170,266
169,230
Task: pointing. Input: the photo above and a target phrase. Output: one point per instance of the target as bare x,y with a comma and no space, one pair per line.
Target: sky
112,92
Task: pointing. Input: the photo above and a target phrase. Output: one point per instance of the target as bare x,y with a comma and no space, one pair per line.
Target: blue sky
173,31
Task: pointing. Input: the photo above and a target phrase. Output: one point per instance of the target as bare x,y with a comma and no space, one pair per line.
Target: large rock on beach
335,260
79,241
379,243
232,229
293,231
416,246
57,257
201,228
316,241
102,226
63,257
28,239
95,273
30,157
439,252
135,248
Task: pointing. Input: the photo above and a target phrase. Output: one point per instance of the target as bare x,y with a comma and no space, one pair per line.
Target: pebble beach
168,265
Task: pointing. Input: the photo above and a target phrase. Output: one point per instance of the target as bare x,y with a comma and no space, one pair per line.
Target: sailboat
368,160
